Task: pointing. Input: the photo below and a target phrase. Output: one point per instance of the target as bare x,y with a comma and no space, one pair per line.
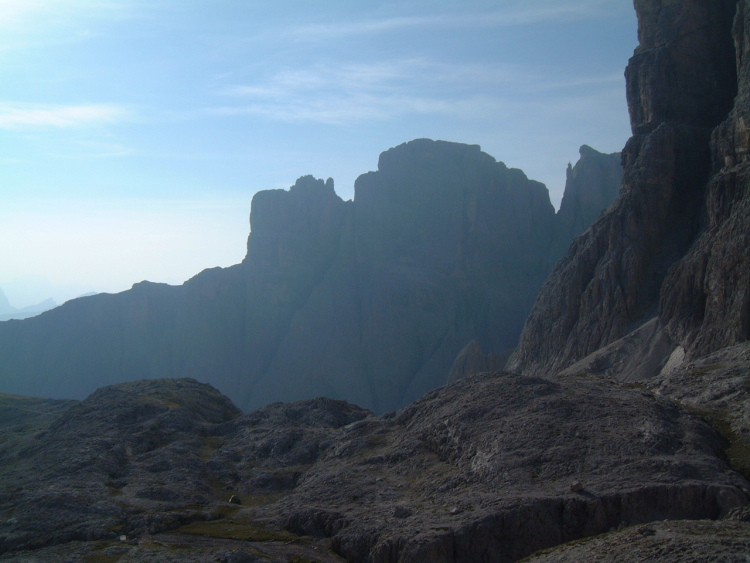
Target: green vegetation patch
377,441
101,558
157,401
260,499
209,444
738,448
237,528
572,543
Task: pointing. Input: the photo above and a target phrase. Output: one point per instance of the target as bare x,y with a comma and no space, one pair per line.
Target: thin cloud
340,94
15,12
336,94
341,110
614,78
77,148
15,116
44,23
519,13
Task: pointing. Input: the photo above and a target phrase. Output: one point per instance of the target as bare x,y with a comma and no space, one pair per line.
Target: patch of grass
158,402
237,528
209,444
738,448
572,543
115,490
583,375
226,511
377,440
290,469
116,528
634,386
738,451
260,500
173,548
101,558
703,370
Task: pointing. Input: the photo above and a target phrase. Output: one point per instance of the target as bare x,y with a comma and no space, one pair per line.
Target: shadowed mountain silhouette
370,300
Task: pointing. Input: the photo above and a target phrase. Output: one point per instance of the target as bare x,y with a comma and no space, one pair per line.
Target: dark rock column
705,301
680,83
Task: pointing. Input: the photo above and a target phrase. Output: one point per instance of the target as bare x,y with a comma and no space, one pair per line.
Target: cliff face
590,187
706,298
369,300
680,84
430,257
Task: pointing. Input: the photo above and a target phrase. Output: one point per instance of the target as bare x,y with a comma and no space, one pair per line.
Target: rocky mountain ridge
8,311
369,300
632,445
628,267
657,292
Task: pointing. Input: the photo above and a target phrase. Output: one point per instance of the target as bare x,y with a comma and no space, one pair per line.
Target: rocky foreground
491,468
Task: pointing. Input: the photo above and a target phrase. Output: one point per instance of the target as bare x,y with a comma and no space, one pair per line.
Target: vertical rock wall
680,84
706,297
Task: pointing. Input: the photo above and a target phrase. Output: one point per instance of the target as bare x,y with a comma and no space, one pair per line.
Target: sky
134,133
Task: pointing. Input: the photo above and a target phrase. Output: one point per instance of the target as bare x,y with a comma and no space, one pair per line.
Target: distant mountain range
369,300
7,311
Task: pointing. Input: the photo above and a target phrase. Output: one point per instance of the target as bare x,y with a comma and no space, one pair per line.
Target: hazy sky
133,134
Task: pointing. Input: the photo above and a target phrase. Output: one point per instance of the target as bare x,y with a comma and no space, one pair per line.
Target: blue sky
133,134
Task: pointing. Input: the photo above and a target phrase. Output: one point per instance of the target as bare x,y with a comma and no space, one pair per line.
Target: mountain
676,230
657,292
370,300
8,312
630,446
591,186
5,306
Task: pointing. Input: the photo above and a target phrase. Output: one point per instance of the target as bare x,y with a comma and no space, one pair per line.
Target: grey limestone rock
668,542
680,84
481,469
591,186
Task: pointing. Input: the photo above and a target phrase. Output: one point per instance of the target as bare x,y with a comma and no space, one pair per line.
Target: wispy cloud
15,12
82,147
334,94
513,13
340,94
17,116
342,110
44,23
